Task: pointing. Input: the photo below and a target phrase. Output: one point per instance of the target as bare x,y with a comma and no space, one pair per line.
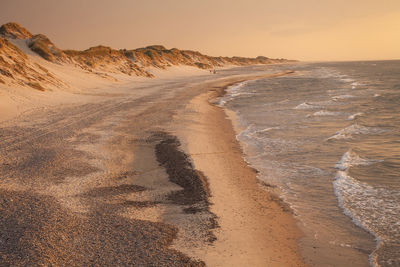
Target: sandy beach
255,227
199,133
149,175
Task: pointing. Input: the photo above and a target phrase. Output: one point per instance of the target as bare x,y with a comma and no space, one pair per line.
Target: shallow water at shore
328,138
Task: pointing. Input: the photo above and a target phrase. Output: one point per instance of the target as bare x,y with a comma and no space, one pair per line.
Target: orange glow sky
295,29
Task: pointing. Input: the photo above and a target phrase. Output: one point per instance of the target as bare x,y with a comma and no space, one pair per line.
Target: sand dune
19,68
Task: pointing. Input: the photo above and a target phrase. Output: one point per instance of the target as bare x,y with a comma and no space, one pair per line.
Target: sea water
328,138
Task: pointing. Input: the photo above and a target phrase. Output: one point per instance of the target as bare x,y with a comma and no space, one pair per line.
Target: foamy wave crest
235,89
339,97
350,158
348,80
232,92
355,115
355,129
326,113
306,106
355,84
267,130
249,131
221,102
374,209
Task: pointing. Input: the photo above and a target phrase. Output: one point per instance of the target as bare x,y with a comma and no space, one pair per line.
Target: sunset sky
295,29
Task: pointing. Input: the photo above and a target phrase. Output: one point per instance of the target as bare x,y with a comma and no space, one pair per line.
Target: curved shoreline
255,229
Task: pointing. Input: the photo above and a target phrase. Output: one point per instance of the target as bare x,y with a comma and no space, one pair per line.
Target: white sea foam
347,80
236,88
232,92
355,84
306,106
222,102
240,93
267,129
355,115
339,97
326,113
248,132
350,158
355,129
374,209
252,133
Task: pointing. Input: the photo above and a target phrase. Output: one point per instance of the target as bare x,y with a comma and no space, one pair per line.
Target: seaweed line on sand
195,193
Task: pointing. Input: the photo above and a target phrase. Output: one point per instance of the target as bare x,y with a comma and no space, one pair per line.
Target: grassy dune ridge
16,68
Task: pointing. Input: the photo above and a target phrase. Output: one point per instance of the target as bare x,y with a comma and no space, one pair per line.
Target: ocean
327,139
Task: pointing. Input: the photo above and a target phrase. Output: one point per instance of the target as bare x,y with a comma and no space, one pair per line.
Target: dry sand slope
99,182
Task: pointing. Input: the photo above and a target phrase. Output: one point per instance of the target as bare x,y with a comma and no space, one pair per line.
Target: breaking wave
355,129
